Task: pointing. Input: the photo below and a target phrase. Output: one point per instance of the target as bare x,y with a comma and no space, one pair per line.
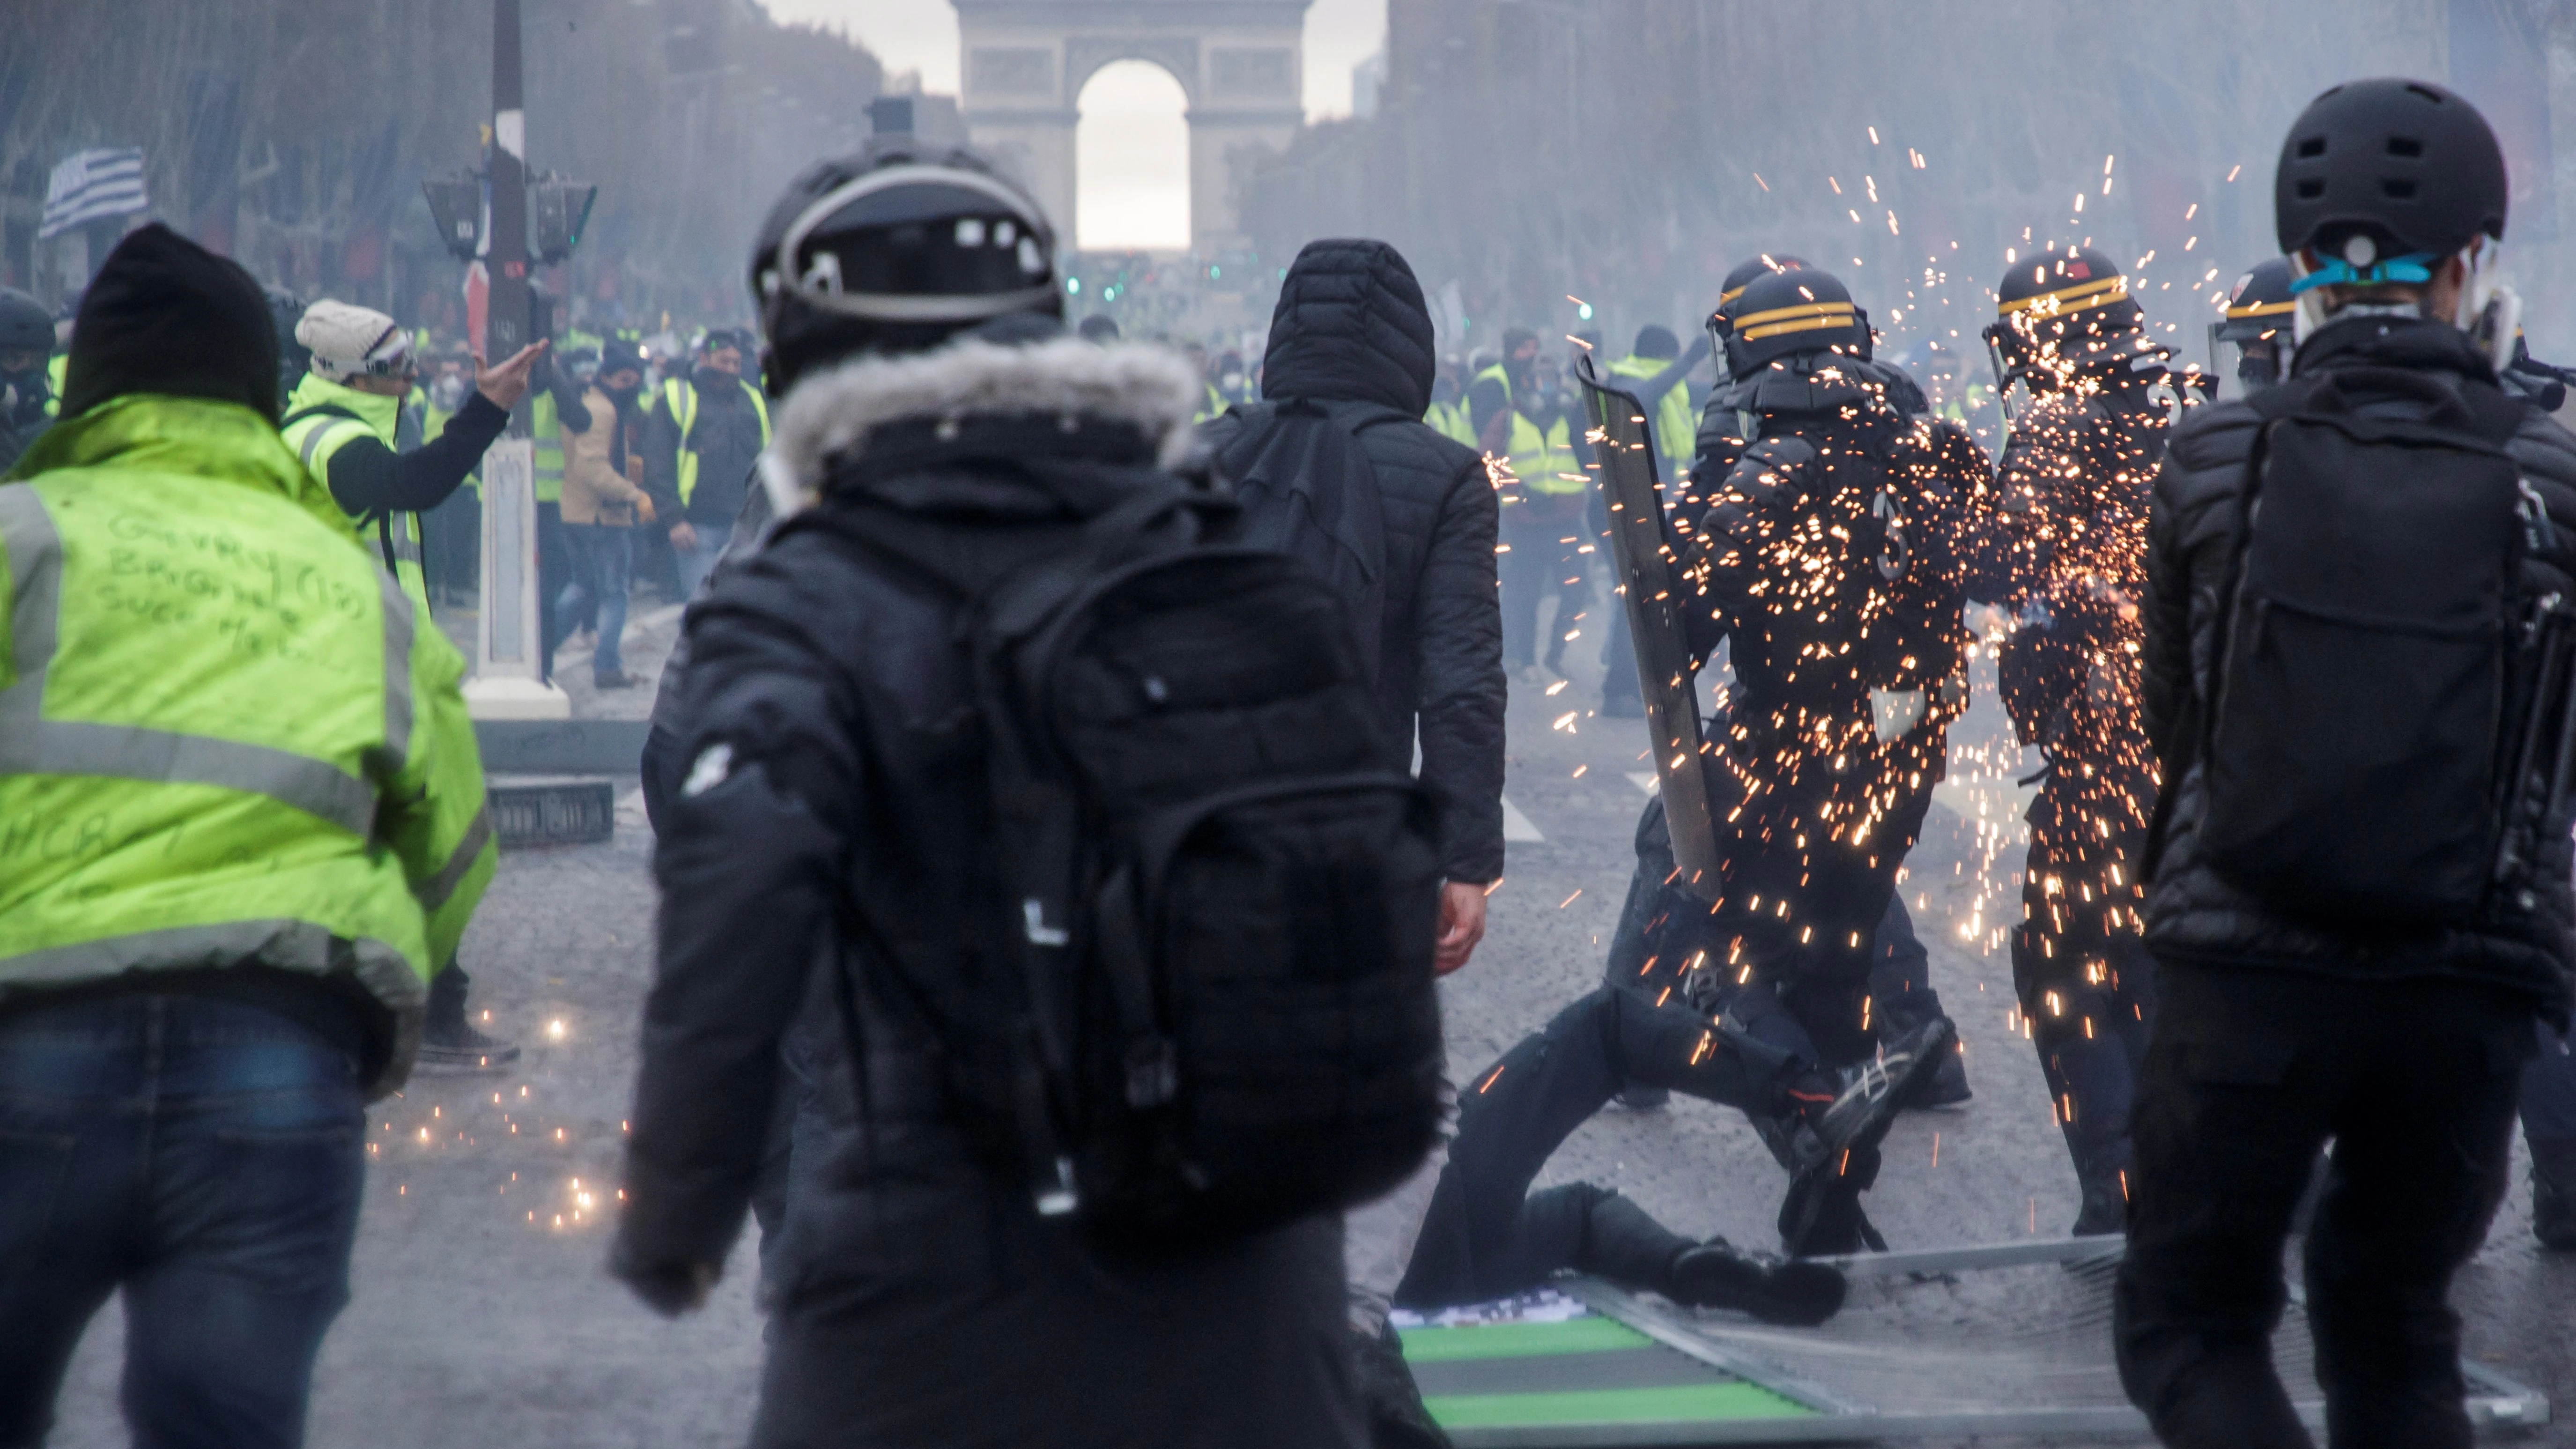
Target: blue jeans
203,1156
697,562
603,571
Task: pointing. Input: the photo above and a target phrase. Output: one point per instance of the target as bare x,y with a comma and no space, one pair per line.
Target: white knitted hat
348,341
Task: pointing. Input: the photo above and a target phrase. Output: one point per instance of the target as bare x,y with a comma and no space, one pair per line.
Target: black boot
1393,1403
2106,1203
1821,1215
1715,1275
448,1044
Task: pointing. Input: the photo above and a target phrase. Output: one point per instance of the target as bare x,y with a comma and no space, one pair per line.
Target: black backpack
2384,736
1207,1003
1309,491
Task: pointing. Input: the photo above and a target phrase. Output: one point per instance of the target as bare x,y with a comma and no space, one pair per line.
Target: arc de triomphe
1237,61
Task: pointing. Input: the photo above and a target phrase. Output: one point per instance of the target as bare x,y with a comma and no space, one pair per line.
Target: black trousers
2081,970
1487,1235
1802,928
2246,1076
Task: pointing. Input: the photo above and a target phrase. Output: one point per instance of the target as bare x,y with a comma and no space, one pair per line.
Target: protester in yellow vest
241,821
1447,414
1653,371
700,440
1542,517
341,422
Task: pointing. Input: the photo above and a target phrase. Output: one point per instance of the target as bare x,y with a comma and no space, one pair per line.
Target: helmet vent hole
2397,190
2312,148
2311,190
2406,146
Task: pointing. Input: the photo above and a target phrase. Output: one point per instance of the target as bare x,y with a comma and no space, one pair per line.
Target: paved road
481,1317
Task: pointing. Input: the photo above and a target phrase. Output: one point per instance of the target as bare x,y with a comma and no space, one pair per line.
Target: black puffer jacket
2192,912
835,775
1351,329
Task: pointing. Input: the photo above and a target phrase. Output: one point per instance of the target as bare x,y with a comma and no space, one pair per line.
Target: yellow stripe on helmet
2261,309
2071,299
1841,317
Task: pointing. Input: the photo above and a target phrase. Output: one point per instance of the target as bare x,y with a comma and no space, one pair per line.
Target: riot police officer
2258,323
2072,489
1826,568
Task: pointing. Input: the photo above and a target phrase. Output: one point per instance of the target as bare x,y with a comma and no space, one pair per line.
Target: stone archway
1238,63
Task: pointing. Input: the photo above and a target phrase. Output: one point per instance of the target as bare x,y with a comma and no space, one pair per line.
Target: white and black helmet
896,249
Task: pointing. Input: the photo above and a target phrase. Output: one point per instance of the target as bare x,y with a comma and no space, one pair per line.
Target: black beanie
165,315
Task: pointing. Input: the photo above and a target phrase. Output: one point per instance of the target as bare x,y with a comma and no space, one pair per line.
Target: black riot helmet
1728,291
25,325
2062,313
895,249
2260,323
2378,173
1783,313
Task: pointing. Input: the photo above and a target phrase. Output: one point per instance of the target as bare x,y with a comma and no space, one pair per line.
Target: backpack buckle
1033,923
1059,1198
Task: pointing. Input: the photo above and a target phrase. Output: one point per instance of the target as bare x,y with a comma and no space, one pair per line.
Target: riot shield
1624,447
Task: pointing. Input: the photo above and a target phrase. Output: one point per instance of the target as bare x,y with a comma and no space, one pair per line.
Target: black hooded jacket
1351,332
834,789
2193,912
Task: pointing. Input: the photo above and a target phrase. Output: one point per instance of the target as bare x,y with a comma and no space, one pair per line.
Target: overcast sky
1133,149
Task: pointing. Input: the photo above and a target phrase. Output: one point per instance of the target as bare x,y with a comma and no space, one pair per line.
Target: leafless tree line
295,135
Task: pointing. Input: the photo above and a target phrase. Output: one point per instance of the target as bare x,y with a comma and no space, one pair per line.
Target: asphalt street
480,1315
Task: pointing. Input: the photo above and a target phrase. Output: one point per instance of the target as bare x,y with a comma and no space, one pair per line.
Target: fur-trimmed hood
828,417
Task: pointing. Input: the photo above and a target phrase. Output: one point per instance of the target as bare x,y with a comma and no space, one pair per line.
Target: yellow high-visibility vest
681,396
322,418
225,735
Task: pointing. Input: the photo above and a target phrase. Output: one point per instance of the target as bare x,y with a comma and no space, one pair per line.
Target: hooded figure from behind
1351,355
1336,458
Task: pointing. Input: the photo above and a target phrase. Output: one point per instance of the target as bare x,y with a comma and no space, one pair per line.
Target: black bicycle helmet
893,250
2378,174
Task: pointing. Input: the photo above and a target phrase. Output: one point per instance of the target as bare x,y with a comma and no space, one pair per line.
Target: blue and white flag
93,184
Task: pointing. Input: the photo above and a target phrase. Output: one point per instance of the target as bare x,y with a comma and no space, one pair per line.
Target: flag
93,184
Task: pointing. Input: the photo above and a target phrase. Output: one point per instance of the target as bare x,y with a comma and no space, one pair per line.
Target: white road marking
1516,826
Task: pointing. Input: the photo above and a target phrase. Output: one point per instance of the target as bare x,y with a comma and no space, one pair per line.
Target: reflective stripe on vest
317,438
31,744
681,396
55,372
546,429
